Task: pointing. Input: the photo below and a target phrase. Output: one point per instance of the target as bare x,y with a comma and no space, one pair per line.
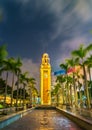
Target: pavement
43,120
47,120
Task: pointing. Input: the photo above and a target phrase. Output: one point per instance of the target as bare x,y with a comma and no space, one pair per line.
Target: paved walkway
43,120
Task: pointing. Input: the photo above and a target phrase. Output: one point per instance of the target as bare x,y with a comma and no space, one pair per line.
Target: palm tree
72,63
55,92
18,72
24,81
2,87
66,67
88,63
6,68
31,83
14,65
81,53
61,79
34,94
78,82
3,55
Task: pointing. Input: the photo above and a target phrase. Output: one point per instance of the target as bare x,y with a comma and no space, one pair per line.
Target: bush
1,106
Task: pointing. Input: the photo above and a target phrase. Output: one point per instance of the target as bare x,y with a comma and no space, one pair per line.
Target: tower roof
45,55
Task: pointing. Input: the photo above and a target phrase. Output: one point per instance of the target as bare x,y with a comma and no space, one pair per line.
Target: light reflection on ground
43,120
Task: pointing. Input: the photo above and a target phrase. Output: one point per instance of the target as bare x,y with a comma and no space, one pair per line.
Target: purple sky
33,27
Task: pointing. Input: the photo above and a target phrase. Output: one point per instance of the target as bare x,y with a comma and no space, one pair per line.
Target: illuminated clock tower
45,71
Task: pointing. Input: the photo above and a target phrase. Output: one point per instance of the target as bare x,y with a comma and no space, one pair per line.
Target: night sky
33,27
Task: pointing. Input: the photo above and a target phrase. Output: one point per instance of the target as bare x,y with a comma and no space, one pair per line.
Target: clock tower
45,72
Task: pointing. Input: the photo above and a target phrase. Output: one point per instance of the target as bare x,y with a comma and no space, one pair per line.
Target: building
45,88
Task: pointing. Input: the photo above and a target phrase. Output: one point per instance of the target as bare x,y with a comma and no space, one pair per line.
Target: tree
81,53
6,68
65,66
88,63
62,79
14,65
3,55
18,72
72,63
24,81
55,91
31,83
34,94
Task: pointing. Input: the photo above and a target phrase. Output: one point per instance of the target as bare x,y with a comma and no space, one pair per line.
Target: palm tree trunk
63,94
80,94
12,90
17,93
90,90
75,91
5,95
30,95
23,96
20,95
71,95
67,92
57,99
86,87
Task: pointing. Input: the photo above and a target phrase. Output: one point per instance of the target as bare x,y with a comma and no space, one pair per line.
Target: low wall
6,120
84,112
83,123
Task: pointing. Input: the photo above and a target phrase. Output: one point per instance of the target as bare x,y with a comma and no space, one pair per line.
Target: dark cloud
30,27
